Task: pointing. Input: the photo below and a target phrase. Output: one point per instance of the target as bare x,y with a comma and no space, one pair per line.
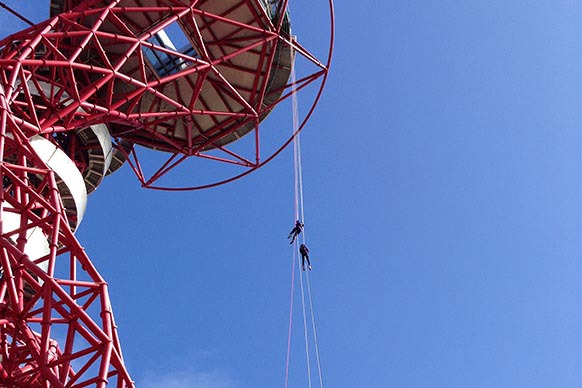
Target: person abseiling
304,256
295,231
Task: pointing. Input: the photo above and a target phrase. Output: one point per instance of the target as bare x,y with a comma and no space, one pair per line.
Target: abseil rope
299,211
299,215
290,318
296,217
305,332
314,331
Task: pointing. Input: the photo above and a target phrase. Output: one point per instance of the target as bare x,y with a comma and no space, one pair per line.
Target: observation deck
194,82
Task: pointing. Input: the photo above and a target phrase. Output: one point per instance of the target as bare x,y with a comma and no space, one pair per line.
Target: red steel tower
88,90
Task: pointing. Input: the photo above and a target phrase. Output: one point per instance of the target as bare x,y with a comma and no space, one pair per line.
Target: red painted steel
37,306
108,62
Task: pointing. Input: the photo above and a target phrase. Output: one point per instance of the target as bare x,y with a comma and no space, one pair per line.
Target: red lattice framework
37,306
94,63
95,55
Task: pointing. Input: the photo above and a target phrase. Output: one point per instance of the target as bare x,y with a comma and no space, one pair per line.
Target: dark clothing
295,231
304,256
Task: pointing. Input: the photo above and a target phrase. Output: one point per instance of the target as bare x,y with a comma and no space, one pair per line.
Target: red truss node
91,88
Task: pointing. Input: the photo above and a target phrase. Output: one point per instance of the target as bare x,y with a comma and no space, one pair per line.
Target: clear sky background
442,183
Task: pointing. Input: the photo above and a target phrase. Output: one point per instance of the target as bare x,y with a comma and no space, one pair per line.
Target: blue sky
442,182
